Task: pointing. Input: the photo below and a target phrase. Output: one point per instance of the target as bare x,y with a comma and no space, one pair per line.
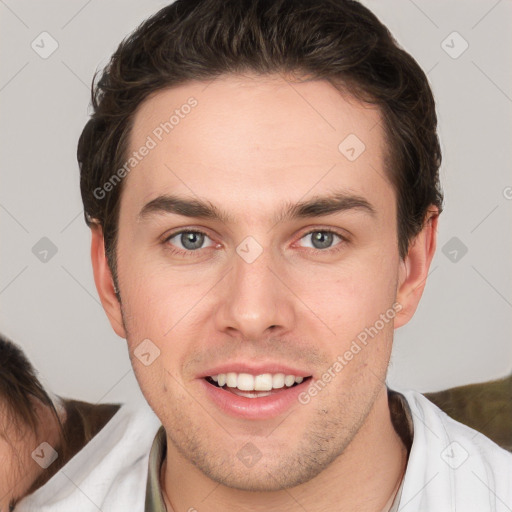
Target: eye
189,240
322,239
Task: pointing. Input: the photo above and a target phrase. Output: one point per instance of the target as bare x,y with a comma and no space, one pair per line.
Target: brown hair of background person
357,55
28,417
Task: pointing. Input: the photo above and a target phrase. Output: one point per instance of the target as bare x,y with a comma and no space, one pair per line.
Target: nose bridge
254,299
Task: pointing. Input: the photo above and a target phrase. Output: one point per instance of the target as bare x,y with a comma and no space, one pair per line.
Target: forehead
250,139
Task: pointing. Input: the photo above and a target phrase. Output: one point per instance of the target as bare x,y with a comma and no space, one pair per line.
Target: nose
254,301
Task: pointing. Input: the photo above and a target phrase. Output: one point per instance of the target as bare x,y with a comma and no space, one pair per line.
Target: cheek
17,471
355,294
149,292
159,310
354,301
159,303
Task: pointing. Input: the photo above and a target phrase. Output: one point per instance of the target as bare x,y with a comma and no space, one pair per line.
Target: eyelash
173,250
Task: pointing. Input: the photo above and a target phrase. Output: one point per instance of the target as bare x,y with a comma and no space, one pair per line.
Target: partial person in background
39,433
27,417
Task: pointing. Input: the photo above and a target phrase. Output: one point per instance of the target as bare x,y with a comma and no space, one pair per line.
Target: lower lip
261,408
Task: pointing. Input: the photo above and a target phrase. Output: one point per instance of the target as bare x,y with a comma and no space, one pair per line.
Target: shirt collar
154,499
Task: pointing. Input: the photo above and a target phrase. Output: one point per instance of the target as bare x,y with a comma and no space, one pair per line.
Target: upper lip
254,369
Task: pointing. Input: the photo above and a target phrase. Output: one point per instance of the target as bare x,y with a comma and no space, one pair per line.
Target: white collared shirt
451,467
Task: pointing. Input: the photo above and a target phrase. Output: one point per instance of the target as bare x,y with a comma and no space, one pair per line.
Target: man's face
212,303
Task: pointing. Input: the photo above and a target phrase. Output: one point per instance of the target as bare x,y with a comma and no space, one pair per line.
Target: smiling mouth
255,393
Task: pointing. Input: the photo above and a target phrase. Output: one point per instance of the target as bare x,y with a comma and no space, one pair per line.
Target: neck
365,477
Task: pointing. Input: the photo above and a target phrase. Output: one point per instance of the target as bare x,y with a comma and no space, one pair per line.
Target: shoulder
452,466
109,472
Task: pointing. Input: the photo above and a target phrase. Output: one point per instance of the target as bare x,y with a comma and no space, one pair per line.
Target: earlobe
104,282
415,267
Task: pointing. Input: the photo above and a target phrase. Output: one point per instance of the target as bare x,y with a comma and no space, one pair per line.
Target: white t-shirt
451,468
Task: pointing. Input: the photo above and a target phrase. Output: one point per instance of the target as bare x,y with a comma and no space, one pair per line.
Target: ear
104,282
414,268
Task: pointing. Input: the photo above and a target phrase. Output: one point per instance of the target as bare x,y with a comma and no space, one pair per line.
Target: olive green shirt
400,415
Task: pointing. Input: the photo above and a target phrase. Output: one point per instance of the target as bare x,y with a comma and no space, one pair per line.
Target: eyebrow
316,207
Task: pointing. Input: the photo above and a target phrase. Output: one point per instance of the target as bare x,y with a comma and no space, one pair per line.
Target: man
261,183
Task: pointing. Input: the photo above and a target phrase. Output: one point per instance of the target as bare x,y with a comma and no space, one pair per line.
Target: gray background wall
462,330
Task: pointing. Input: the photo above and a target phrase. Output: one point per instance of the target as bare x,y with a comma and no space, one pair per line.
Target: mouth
258,386
254,397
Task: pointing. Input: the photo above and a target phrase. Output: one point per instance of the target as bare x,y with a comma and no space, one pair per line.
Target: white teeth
231,380
278,380
289,380
263,382
245,382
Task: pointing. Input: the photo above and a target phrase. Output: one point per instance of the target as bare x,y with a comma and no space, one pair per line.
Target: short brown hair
339,41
